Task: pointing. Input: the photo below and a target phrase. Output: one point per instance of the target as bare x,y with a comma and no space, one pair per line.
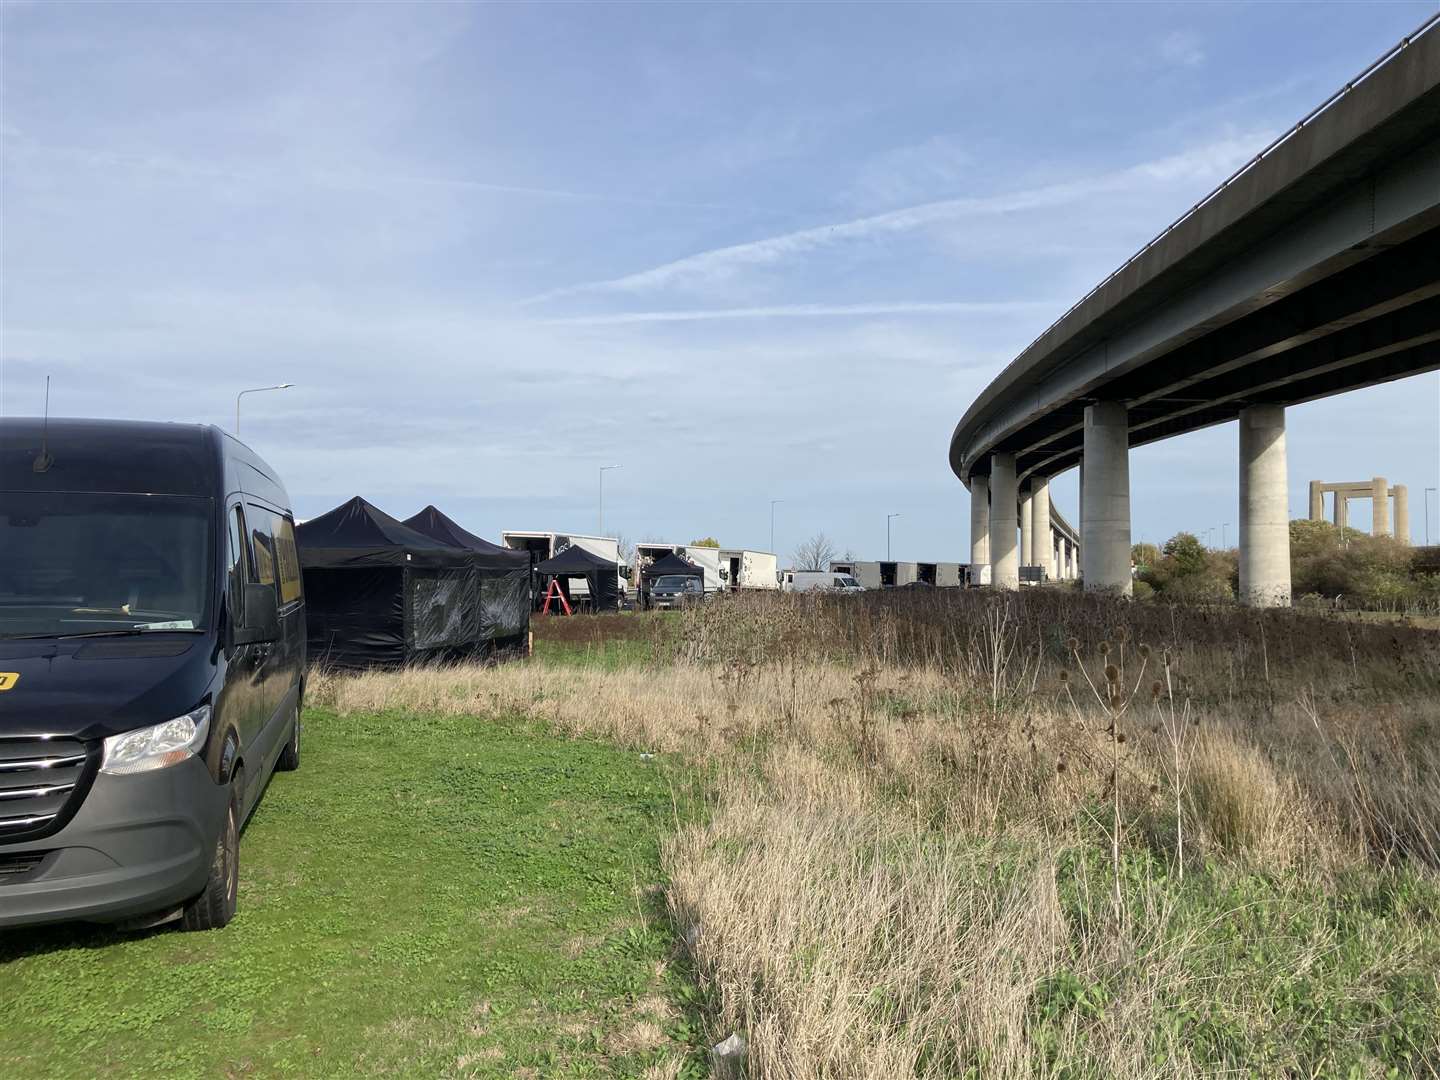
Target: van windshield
86,563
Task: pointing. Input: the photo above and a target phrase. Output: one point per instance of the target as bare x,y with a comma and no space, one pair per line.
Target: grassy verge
932,850
432,896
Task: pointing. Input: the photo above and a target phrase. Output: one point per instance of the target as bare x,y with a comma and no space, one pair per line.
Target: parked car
823,580
676,590
152,667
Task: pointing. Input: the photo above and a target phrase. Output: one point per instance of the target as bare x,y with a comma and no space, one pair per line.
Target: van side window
236,569
262,546
287,558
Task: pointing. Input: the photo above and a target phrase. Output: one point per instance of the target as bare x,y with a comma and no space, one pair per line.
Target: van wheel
215,906
290,756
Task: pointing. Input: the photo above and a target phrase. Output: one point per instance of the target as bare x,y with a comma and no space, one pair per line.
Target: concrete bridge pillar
1317,502
1379,507
1264,508
1004,552
1041,538
1027,530
979,525
1342,510
1401,495
1105,495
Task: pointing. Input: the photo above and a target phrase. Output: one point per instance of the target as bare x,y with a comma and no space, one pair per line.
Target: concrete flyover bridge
1314,270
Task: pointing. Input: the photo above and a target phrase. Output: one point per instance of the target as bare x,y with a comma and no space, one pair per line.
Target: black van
152,666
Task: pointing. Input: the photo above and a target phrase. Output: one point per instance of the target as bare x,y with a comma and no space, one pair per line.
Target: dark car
152,666
676,590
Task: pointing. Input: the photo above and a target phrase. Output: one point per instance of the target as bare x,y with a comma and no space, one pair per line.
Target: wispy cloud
1213,158
1182,48
160,165
810,311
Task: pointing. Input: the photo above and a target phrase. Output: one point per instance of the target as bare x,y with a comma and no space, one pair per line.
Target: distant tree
817,553
708,541
626,547
1144,555
1186,552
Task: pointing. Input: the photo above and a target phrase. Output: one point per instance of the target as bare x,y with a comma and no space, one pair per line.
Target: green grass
610,655
426,897
1273,975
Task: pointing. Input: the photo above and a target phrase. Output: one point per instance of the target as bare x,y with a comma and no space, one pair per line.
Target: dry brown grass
904,866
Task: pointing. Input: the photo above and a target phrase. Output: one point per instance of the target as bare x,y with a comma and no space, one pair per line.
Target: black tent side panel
440,608
501,600
356,616
503,604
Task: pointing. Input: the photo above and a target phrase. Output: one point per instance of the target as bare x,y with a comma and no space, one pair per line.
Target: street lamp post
254,390
1223,546
888,519
603,469
776,502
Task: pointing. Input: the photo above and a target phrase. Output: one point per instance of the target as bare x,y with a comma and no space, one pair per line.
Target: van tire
215,906
290,756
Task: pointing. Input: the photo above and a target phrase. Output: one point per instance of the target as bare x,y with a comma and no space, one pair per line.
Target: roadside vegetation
1330,569
953,835
922,833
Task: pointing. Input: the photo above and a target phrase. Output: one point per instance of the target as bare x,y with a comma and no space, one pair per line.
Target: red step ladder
554,592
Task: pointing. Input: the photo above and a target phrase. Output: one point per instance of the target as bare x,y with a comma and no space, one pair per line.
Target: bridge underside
1374,320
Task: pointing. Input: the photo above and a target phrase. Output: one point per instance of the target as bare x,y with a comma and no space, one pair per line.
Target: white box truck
744,569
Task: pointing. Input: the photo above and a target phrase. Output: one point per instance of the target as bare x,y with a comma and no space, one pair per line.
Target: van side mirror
261,620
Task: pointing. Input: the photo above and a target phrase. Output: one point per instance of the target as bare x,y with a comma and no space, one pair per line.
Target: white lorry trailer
891,575
743,569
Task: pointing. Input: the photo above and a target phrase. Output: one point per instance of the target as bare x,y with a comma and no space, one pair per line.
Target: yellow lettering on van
8,679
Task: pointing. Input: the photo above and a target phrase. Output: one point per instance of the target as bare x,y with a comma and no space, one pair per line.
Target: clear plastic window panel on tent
442,603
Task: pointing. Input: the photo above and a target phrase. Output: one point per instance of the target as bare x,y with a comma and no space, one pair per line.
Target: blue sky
747,252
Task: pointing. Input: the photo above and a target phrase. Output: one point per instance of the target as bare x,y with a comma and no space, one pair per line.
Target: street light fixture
603,470
888,519
254,390
776,502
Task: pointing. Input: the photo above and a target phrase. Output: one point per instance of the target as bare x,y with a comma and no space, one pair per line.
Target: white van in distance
821,580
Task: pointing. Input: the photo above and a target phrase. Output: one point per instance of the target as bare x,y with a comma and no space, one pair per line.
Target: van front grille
42,781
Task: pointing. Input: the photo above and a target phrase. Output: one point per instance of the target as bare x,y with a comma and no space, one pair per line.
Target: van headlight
156,747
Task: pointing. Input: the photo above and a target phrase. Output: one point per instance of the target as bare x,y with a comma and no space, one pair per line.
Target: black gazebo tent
502,576
379,593
673,564
602,577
